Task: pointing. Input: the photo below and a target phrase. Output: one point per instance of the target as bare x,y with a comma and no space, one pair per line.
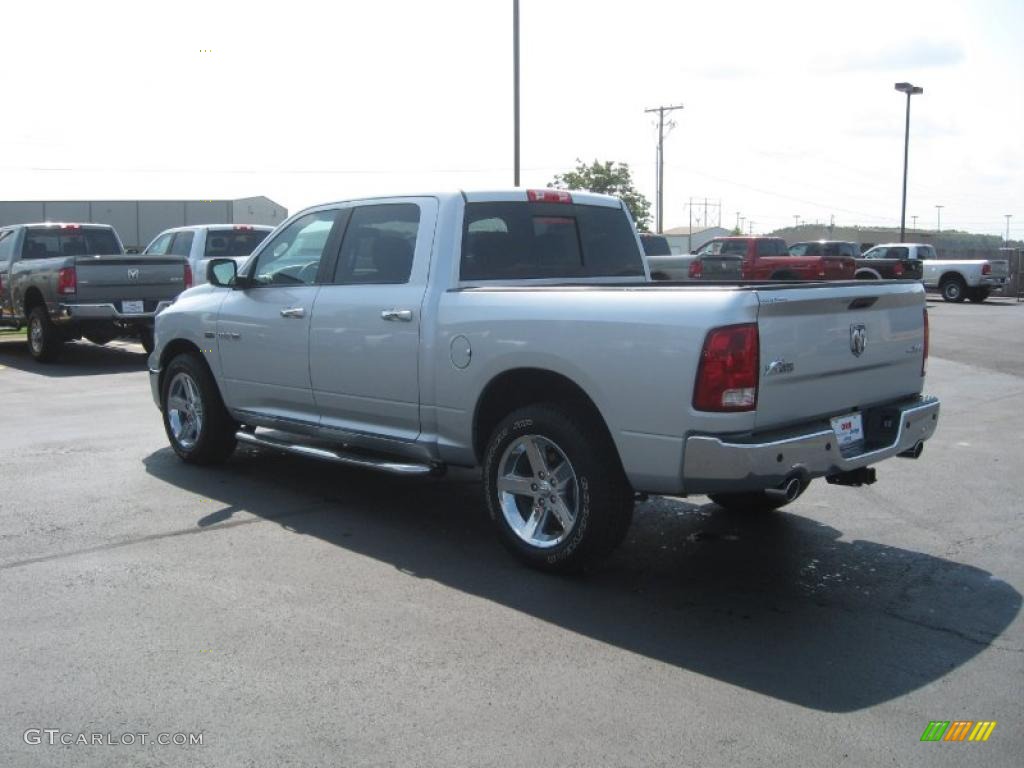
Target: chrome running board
339,457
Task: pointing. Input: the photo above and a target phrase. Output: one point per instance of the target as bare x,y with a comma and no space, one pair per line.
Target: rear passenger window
379,244
899,252
182,244
530,241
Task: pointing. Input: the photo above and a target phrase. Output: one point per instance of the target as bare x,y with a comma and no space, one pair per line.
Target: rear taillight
188,275
548,196
924,357
67,281
986,269
727,375
696,269
897,270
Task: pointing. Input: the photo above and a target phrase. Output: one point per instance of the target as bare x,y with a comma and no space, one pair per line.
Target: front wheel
555,490
198,426
44,339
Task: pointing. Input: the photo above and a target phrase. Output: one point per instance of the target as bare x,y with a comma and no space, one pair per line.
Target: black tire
600,493
146,339
866,276
953,289
784,276
753,501
214,440
44,338
979,295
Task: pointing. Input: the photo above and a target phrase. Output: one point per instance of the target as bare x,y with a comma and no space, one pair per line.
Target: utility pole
1008,217
915,221
796,220
515,87
938,218
738,221
751,223
660,207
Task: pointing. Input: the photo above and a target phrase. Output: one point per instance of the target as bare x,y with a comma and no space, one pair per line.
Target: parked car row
769,258
69,281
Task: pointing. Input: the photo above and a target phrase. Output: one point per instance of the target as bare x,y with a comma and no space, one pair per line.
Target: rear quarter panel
634,352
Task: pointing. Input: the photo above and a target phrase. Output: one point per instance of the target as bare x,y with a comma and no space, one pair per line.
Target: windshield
724,248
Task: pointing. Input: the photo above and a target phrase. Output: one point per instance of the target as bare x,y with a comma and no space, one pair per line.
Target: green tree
608,178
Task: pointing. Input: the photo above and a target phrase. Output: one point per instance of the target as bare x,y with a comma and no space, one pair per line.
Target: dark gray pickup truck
72,281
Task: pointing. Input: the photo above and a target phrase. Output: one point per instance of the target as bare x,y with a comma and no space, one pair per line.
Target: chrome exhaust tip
788,491
913,453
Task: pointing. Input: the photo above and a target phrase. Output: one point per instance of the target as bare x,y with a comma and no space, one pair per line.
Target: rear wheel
44,338
198,426
979,295
953,289
555,490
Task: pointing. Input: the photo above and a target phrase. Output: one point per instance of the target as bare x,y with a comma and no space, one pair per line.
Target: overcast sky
789,106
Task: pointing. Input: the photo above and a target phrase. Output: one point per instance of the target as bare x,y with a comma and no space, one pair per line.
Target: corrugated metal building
139,221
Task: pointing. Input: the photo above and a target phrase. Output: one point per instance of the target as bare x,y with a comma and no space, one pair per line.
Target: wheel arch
952,275
180,346
519,387
33,298
867,274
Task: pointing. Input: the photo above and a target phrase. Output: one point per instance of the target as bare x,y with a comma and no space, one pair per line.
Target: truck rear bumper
106,312
992,282
718,465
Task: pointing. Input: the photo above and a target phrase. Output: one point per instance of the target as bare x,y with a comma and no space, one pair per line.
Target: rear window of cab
534,241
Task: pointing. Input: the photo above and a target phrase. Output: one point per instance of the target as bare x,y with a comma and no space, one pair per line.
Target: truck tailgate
832,349
1000,267
113,278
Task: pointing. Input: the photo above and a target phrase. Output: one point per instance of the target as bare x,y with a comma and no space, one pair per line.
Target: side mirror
222,272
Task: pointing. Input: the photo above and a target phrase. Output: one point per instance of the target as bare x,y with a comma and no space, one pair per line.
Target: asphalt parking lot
295,613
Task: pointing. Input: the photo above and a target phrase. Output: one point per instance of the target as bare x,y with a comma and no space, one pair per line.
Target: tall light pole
660,207
515,88
910,90
1008,217
938,218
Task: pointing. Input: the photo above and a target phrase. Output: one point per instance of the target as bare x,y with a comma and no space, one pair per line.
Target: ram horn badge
858,339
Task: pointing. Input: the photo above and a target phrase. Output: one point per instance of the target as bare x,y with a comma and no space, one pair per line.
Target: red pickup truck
763,258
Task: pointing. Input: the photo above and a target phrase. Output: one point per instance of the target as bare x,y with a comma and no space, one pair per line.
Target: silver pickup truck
69,281
518,331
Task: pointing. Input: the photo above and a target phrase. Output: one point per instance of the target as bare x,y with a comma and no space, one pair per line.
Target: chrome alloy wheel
35,334
538,491
184,410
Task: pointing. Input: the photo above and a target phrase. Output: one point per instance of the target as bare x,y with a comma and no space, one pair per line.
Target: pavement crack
953,632
157,537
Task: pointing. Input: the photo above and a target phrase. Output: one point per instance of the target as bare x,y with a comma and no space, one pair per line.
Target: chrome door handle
293,312
405,315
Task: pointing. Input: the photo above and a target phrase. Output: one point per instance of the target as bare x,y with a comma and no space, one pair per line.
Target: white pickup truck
198,243
955,279
517,331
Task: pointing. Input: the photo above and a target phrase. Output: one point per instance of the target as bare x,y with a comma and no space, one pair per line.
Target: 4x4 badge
858,339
